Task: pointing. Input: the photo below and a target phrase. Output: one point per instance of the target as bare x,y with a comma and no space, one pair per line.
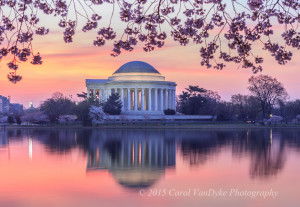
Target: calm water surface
126,167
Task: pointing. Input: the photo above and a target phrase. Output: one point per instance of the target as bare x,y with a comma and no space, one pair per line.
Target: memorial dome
136,67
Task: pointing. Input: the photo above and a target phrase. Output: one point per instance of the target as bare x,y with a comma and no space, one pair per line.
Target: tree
245,107
288,109
82,95
275,119
10,119
92,99
224,111
97,114
211,103
113,105
18,120
169,112
298,118
82,109
82,112
268,91
58,105
239,25
191,100
37,117
239,102
196,101
293,108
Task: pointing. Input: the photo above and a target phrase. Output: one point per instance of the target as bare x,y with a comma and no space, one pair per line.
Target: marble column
166,98
94,93
149,100
99,95
161,99
173,99
143,99
128,99
102,95
107,93
170,98
155,99
135,99
122,98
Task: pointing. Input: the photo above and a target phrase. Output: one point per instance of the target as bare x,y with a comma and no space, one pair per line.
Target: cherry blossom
226,30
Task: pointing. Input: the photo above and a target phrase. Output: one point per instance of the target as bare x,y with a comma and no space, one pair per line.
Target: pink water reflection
36,171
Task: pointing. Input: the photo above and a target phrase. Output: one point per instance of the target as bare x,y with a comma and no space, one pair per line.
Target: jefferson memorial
142,89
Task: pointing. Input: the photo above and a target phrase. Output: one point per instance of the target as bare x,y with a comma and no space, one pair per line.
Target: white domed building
142,89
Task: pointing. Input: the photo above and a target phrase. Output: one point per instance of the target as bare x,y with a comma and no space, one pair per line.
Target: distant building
31,108
15,108
31,104
4,104
9,108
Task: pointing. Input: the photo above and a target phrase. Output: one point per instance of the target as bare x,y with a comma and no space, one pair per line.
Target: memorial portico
142,89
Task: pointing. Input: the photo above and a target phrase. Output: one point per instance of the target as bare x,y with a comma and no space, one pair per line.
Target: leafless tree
268,91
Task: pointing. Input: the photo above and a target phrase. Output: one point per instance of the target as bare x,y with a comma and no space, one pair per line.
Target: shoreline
154,126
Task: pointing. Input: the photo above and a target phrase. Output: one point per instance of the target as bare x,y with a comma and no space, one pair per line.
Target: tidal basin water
149,167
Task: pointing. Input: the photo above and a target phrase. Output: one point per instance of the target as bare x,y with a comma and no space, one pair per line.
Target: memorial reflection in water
139,158
85,167
133,162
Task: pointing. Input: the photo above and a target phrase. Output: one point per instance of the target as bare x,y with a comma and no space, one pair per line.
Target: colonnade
140,99
134,153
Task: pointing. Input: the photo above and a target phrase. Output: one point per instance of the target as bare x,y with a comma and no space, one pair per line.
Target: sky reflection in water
84,167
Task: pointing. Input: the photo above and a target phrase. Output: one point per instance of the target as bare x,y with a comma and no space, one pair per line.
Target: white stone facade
142,89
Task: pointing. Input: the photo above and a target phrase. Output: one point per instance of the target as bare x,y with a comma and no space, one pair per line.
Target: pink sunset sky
66,66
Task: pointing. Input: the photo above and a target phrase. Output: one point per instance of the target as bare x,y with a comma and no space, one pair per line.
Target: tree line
267,97
85,110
